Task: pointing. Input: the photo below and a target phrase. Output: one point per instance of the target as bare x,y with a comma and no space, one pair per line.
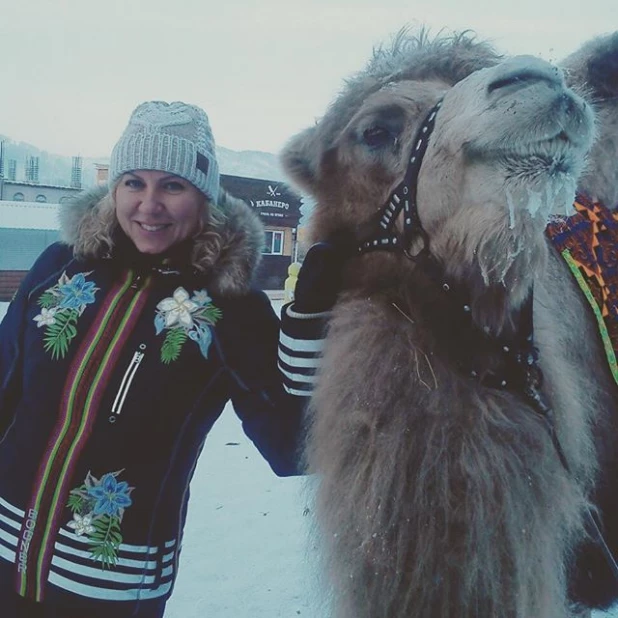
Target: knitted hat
169,137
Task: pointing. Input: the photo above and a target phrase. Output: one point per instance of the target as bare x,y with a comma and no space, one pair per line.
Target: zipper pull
125,384
136,282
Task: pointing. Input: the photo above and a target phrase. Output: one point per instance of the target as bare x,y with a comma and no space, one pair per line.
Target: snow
248,550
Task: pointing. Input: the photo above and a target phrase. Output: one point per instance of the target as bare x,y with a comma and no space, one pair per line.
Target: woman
117,355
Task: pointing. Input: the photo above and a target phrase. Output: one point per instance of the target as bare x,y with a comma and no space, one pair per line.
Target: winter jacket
113,369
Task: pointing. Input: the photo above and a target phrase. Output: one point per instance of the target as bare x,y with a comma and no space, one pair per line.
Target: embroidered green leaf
105,554
106,540
75,502
170,350
210,313
48,299
59,335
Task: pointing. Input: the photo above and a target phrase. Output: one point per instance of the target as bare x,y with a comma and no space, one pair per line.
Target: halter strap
403,197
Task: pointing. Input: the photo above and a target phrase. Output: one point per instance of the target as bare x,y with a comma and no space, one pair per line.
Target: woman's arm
13,326
271,416
276,372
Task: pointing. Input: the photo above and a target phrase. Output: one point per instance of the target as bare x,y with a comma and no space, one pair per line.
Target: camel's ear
594,67
603,67
298,160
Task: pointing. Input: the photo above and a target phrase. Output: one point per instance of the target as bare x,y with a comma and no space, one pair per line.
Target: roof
42,185
28,215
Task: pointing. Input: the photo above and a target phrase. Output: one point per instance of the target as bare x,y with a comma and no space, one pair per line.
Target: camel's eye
377,137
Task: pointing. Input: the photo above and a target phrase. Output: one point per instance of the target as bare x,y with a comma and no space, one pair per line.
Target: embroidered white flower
46,317
178,309
81,524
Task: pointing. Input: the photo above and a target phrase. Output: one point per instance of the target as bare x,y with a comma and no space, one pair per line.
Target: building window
18,197
274,243
40,198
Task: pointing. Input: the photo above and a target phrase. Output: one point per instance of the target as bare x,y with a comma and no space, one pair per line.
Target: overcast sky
71,71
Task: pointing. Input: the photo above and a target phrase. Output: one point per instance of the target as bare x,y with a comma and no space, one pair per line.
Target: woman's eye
377,136
174,186
133,183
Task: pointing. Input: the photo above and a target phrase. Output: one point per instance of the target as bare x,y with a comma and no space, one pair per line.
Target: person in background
119,351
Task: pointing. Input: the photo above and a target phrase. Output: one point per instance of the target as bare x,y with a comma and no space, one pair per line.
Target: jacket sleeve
13,326
11,329
300,348
272,417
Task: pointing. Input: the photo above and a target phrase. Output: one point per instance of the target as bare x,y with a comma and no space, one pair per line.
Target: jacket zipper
129,374
125,385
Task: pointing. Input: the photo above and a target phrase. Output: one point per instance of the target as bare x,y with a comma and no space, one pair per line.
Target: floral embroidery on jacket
185,316
61,305
98,507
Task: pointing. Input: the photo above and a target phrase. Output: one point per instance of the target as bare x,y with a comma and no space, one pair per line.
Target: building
30,189
22,191
28,227
279,210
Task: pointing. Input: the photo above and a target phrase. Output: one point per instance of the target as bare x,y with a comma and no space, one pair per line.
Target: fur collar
241,233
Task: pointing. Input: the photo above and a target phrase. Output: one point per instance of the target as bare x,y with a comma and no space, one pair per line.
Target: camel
463,421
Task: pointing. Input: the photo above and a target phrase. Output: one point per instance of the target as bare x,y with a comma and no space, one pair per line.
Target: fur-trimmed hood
230,269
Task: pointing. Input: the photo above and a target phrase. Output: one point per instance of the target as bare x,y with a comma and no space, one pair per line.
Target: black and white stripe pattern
300,349
142,572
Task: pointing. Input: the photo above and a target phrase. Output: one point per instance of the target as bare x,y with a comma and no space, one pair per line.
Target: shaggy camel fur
593,70
440,493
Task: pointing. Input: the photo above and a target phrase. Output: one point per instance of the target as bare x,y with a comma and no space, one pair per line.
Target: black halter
519,371
403,198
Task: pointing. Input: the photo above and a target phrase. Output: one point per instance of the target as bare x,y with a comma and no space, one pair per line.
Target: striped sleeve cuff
300,349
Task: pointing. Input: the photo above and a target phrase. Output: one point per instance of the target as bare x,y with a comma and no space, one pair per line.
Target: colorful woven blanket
588,241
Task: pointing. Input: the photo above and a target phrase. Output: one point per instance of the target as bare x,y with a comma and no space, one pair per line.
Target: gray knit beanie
169,137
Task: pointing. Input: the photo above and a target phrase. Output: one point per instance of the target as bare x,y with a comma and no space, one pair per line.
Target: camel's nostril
521,79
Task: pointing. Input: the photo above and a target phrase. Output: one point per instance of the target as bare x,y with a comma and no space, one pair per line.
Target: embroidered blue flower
61,306
202,298
202,335
110,496
98,506
159,323
76,292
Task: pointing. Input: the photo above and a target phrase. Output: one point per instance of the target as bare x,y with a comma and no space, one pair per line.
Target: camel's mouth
559,154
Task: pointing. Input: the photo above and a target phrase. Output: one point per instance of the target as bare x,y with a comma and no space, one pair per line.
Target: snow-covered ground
248,550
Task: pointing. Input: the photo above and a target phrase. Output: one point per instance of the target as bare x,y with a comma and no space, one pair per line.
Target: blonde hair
97,228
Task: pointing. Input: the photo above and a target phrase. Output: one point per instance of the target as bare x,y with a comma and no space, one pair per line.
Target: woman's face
157,210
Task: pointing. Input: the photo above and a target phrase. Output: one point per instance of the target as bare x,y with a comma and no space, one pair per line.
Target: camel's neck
505,359
497,271
493,303
494,309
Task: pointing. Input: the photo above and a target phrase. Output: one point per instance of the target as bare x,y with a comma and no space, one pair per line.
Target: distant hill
56,169
249,163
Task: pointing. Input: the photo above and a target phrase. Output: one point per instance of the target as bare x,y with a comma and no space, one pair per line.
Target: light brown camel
441,493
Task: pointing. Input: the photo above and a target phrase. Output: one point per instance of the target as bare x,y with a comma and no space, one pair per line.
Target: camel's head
509,143
593,71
